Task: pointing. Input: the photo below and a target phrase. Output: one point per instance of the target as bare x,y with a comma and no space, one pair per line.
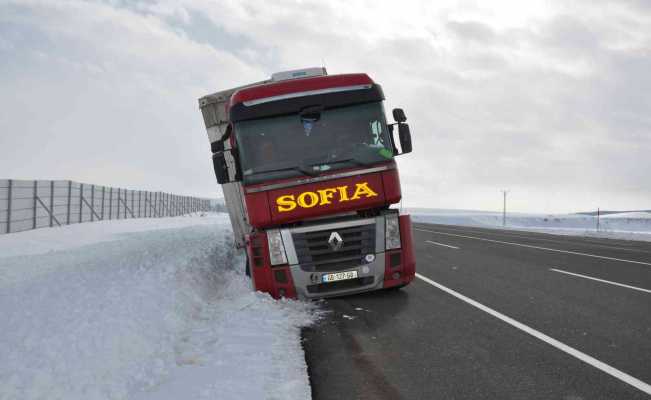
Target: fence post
125,203
51,204
68,204
11,183
81,202
34,205
133,194
92,203
118,210
111,202
139,194
103,191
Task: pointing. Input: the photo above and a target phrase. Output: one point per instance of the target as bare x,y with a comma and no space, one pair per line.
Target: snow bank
630,226
142,309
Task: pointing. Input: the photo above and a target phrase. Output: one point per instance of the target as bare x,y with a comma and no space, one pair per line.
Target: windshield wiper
353,160
300,168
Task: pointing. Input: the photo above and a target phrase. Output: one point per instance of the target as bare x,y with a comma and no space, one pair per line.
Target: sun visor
293,103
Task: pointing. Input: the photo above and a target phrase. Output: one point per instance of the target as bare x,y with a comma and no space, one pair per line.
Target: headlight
392,231
276,248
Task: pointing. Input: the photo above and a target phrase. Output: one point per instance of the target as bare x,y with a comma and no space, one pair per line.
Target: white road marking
622,376
441,244
600,280
566,238
536,247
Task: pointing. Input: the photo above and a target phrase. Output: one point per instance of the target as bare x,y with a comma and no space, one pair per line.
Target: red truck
306,164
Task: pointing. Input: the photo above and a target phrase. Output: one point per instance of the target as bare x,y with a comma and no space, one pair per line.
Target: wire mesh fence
32,204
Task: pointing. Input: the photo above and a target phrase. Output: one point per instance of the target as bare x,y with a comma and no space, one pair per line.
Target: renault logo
335,241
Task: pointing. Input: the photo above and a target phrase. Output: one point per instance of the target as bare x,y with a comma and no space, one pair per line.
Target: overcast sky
548,100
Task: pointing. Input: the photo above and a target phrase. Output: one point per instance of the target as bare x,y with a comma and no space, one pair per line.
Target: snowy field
629,226
142,309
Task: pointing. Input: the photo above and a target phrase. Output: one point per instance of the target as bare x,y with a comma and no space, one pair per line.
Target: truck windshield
312,142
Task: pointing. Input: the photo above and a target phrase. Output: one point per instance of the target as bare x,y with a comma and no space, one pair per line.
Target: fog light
280,276
394,259
396,275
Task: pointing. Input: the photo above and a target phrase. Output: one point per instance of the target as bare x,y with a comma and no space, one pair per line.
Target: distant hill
606,212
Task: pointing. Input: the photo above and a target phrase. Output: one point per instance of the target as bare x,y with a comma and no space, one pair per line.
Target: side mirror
221,168
405,138
227,166
399,115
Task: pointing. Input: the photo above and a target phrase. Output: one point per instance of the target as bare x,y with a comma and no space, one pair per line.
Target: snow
632,215
628,225
143,309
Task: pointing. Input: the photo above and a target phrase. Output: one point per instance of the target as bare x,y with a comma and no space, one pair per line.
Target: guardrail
32,204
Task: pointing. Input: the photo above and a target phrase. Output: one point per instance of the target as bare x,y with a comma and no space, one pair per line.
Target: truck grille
315,254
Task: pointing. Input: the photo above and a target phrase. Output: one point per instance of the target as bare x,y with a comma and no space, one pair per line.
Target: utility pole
504,192
598,215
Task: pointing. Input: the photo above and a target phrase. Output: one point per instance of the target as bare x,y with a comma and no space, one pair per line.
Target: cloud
549,99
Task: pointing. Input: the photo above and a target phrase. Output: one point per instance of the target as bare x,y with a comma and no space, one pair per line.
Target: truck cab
306,164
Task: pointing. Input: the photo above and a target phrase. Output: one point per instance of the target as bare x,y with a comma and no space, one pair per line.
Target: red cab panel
257,206
391,183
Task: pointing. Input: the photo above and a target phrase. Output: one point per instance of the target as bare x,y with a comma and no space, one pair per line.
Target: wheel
247,270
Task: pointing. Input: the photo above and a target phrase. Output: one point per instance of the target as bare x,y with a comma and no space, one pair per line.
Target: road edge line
536,247
600,280
614,372
442,244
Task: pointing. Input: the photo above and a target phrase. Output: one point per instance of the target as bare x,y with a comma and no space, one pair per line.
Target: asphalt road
494,315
